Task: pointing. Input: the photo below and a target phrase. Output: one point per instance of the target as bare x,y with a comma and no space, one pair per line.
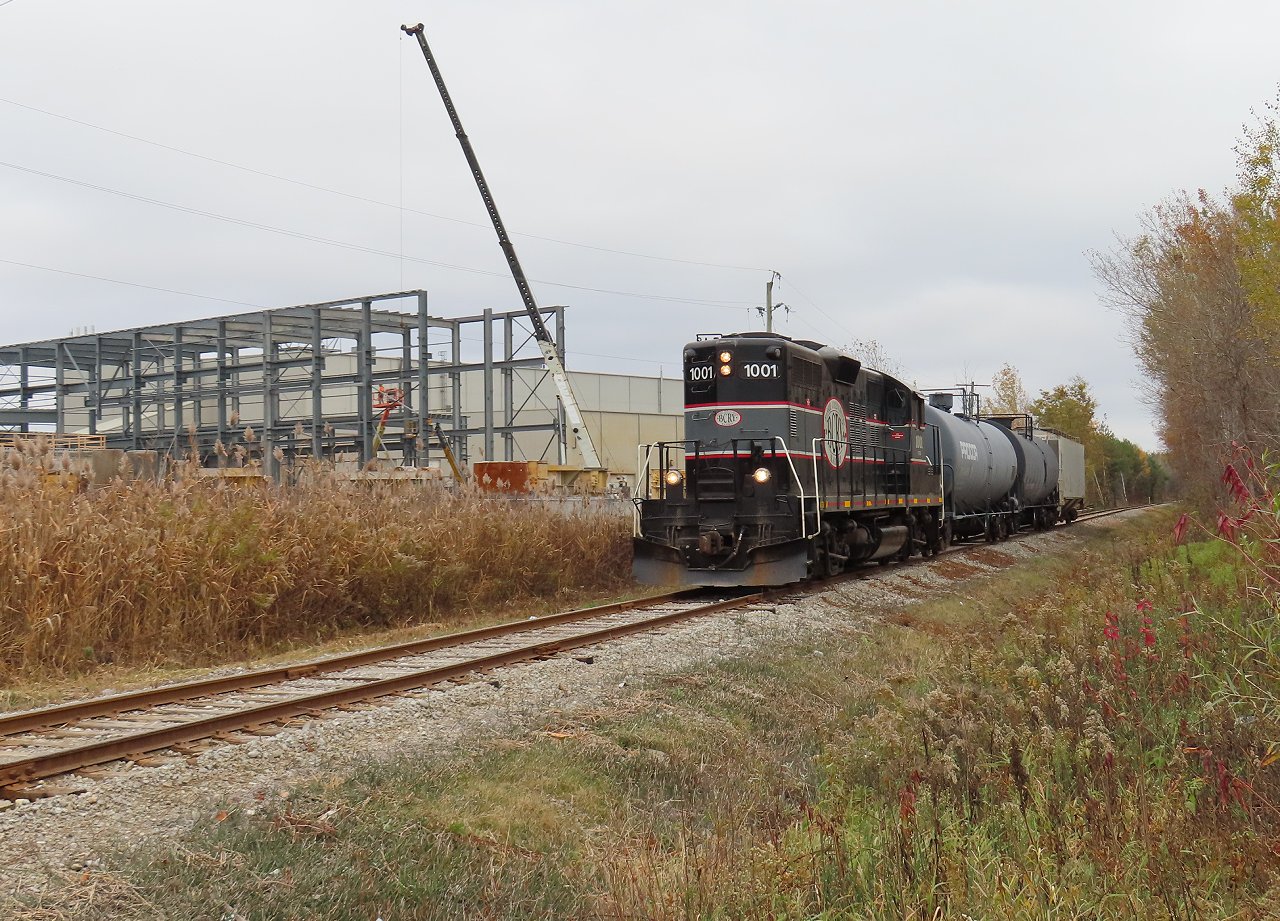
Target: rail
201,714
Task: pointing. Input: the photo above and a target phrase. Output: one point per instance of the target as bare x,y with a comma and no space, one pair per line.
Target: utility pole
769,305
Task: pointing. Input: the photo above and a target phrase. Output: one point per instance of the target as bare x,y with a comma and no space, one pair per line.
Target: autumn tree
1200,288
1072,409
1256,205
873,355
1008,395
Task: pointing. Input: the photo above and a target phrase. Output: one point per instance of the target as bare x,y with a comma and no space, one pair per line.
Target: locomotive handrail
817,491
873,452
644,458
795,478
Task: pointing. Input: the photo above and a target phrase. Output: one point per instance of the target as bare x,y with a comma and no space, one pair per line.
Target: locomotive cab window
875,397
898,407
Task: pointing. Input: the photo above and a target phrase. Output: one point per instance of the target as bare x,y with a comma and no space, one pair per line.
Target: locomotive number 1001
751,371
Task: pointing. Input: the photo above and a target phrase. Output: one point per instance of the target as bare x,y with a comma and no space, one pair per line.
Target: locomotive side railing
858,465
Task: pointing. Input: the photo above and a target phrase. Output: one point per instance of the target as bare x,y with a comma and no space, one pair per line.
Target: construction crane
590,458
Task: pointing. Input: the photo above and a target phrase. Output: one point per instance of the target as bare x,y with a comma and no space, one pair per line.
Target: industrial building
321,380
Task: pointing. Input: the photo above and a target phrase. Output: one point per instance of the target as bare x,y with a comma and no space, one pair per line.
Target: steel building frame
181,386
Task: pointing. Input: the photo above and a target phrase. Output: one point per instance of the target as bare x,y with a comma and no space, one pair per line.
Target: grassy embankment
1083,737
191,573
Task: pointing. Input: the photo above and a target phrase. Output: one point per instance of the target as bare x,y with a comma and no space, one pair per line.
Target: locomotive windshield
731,371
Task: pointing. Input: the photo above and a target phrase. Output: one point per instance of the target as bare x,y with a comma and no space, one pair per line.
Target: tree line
1199,285
1117,471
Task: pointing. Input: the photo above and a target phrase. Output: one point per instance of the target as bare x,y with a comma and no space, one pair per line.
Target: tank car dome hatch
943,401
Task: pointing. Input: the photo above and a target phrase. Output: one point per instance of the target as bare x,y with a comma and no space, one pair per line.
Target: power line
814,305
361,198
131,284
227,300
357,247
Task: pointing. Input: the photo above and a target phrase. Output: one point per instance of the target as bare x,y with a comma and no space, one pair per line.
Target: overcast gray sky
929,175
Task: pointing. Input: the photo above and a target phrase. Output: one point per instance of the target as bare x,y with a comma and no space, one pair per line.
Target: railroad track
58,740
52,741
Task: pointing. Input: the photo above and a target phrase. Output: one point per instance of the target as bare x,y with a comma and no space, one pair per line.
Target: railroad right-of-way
458,693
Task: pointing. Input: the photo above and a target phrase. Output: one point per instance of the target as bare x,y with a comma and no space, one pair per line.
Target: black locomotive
798,462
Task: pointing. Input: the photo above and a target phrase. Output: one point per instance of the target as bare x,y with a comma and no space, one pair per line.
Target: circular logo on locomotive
835,433
728,417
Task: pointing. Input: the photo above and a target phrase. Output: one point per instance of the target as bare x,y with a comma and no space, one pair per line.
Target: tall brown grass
193,571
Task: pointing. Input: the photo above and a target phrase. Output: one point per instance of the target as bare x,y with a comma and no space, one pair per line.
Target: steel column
365,391
488,384
24,380
135,391
269,407
95,409
60,388
177,385
455,380
508,390
317,381
424,373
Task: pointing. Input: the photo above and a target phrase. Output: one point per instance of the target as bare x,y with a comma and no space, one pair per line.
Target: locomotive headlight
762,475
725,370
725,357
673,477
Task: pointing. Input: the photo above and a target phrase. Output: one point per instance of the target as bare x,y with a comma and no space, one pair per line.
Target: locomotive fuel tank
979,463
1037,466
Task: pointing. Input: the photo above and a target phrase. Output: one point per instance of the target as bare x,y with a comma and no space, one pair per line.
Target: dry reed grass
195,572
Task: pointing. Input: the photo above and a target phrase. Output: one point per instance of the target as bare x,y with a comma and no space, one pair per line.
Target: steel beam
269,407
424,380
317,384
487,384
364,350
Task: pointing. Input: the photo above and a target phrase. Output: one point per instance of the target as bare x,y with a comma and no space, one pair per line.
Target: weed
190,571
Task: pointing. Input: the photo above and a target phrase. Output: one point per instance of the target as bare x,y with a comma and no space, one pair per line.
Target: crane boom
590,459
